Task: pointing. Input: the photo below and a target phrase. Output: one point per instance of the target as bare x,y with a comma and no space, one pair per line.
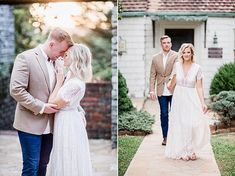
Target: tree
26,35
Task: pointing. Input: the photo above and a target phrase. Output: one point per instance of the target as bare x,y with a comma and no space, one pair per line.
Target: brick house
208,24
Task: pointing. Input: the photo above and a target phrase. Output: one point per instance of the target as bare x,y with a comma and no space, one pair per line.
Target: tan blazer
160,75
29,86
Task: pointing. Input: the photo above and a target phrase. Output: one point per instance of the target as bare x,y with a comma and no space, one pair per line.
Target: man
161,68
32,81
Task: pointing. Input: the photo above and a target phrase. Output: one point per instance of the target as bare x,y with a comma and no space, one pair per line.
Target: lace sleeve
70,91
199,74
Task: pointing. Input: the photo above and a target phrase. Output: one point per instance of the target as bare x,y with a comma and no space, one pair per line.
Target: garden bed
132,133
222,128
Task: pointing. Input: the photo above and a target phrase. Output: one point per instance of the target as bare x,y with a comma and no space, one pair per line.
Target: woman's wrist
59,83
203,103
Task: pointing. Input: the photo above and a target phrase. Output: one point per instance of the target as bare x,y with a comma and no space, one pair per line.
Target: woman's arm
54,98
199,87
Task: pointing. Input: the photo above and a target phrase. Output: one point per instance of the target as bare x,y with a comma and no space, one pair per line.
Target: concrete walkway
150,161
104,160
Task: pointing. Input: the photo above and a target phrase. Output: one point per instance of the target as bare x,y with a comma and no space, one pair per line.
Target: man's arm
152,81
19,85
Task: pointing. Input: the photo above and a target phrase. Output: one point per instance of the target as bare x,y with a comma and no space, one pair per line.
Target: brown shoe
164,141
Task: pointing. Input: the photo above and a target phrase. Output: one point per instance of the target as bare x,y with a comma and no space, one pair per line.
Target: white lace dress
70,153
188,126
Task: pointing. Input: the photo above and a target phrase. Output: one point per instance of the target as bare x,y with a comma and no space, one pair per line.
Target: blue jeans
165,102
36,151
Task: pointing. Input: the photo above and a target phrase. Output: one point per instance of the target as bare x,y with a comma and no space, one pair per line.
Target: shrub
128,117
124,102
224,105
136,121
224,79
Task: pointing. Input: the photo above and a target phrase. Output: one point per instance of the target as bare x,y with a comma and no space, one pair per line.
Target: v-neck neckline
185,75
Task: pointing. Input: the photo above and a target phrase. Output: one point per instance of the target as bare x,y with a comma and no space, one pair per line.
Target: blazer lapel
43,66
168,60
161,63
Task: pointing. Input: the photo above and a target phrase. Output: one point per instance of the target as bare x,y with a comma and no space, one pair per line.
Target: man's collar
166,55
43,52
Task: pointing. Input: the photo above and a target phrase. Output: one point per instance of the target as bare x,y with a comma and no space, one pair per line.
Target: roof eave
209,14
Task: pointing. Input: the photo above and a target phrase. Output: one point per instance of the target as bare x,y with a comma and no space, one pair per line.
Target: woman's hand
60,75
204,108
169,85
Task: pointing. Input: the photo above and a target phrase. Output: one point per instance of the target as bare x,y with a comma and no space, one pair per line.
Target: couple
178,73
48,102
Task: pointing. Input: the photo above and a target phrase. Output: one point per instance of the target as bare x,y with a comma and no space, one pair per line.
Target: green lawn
224,150
127,147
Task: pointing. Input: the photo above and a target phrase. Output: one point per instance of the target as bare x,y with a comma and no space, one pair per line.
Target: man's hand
50,108
152,95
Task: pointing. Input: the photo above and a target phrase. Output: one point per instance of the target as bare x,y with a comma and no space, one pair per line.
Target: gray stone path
104,160
149,160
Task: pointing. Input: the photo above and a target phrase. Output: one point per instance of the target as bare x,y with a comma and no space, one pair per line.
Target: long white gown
188,126
70,153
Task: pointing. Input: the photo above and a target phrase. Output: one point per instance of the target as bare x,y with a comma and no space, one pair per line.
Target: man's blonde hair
164,37
60,35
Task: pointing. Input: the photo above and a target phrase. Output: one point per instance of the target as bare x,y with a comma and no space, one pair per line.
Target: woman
188,128
70,153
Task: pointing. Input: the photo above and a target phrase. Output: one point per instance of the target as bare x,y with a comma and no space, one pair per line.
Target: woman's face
67,60
187,54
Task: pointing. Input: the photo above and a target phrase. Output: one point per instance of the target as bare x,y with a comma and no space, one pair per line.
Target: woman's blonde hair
81,61
181,50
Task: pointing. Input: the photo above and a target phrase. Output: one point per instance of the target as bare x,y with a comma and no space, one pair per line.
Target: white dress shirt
51,73
166,92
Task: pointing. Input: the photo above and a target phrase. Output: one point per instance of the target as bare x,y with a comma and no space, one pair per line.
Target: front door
180,36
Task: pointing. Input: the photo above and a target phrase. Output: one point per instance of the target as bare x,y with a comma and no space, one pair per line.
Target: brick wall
132,63
97,104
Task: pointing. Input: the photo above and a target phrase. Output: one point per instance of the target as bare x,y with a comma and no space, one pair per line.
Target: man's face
57,49
166,44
